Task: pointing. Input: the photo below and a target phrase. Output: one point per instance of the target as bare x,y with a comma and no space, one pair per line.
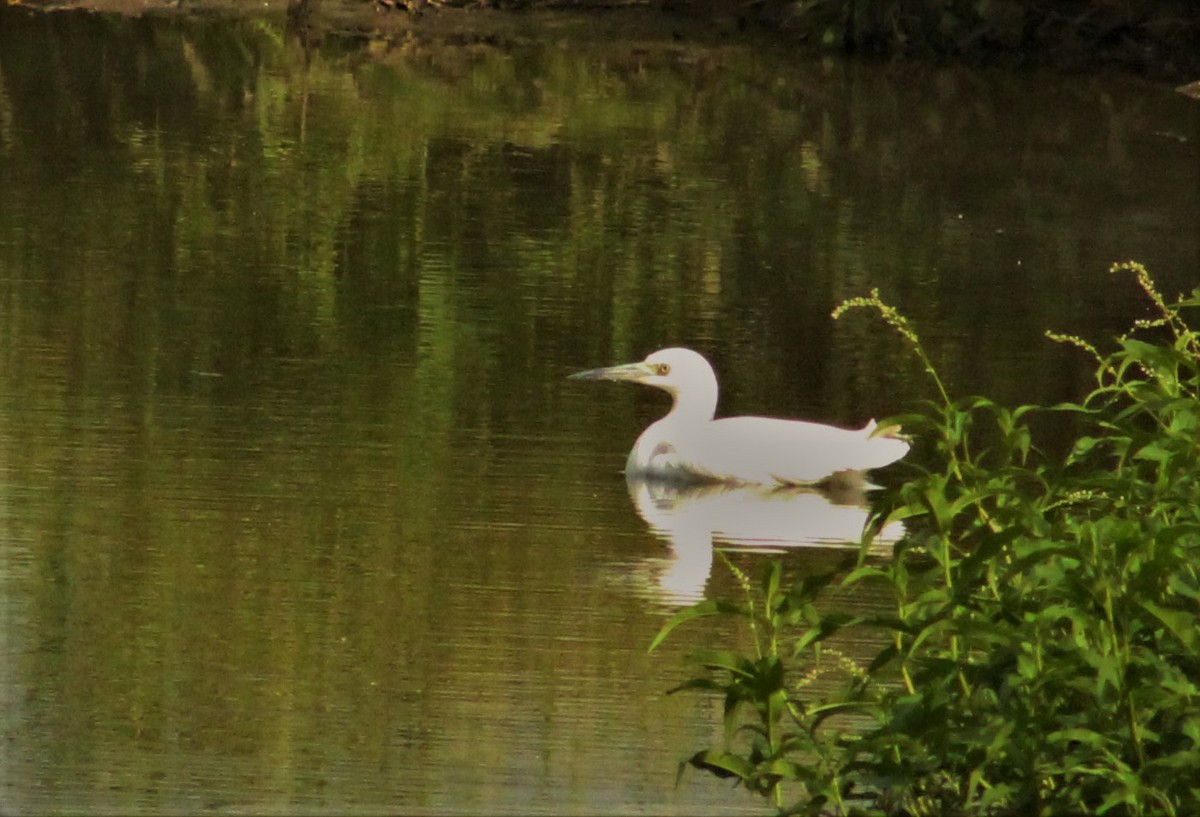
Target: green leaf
1153,452
820,713
708,607
786,770
722,764
864,572
726,660
997,799
1182,625
882,659
1116,797
706,684
1076,735
770,582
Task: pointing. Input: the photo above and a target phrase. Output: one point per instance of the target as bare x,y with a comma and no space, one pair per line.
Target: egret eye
664,369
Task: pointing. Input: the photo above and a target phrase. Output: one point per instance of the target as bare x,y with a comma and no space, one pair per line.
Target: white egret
688,444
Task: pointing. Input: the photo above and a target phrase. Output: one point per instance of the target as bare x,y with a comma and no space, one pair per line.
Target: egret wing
765,450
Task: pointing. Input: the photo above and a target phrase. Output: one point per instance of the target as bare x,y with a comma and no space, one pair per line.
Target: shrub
1043,649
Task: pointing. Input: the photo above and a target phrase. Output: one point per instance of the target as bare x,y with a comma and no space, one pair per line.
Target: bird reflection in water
694,518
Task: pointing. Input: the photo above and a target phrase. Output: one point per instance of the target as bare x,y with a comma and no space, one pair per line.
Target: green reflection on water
298,507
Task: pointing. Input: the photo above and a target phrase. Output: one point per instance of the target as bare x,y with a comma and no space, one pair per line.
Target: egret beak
630,372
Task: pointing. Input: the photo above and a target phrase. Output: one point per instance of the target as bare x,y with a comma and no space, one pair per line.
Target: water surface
297,510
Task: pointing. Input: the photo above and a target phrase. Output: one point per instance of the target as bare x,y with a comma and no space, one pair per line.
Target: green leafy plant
1043,644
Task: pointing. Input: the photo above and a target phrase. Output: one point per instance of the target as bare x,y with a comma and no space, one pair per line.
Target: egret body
688,443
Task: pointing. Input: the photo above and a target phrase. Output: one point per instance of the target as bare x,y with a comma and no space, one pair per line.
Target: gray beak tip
628,372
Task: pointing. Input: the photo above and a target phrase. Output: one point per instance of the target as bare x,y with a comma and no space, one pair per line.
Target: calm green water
297,510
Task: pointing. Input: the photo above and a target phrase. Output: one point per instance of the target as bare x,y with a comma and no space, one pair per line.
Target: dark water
297,510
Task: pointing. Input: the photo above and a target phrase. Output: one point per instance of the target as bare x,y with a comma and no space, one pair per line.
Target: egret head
684,374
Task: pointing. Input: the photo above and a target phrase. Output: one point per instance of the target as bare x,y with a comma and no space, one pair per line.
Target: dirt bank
492,18
1158,38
